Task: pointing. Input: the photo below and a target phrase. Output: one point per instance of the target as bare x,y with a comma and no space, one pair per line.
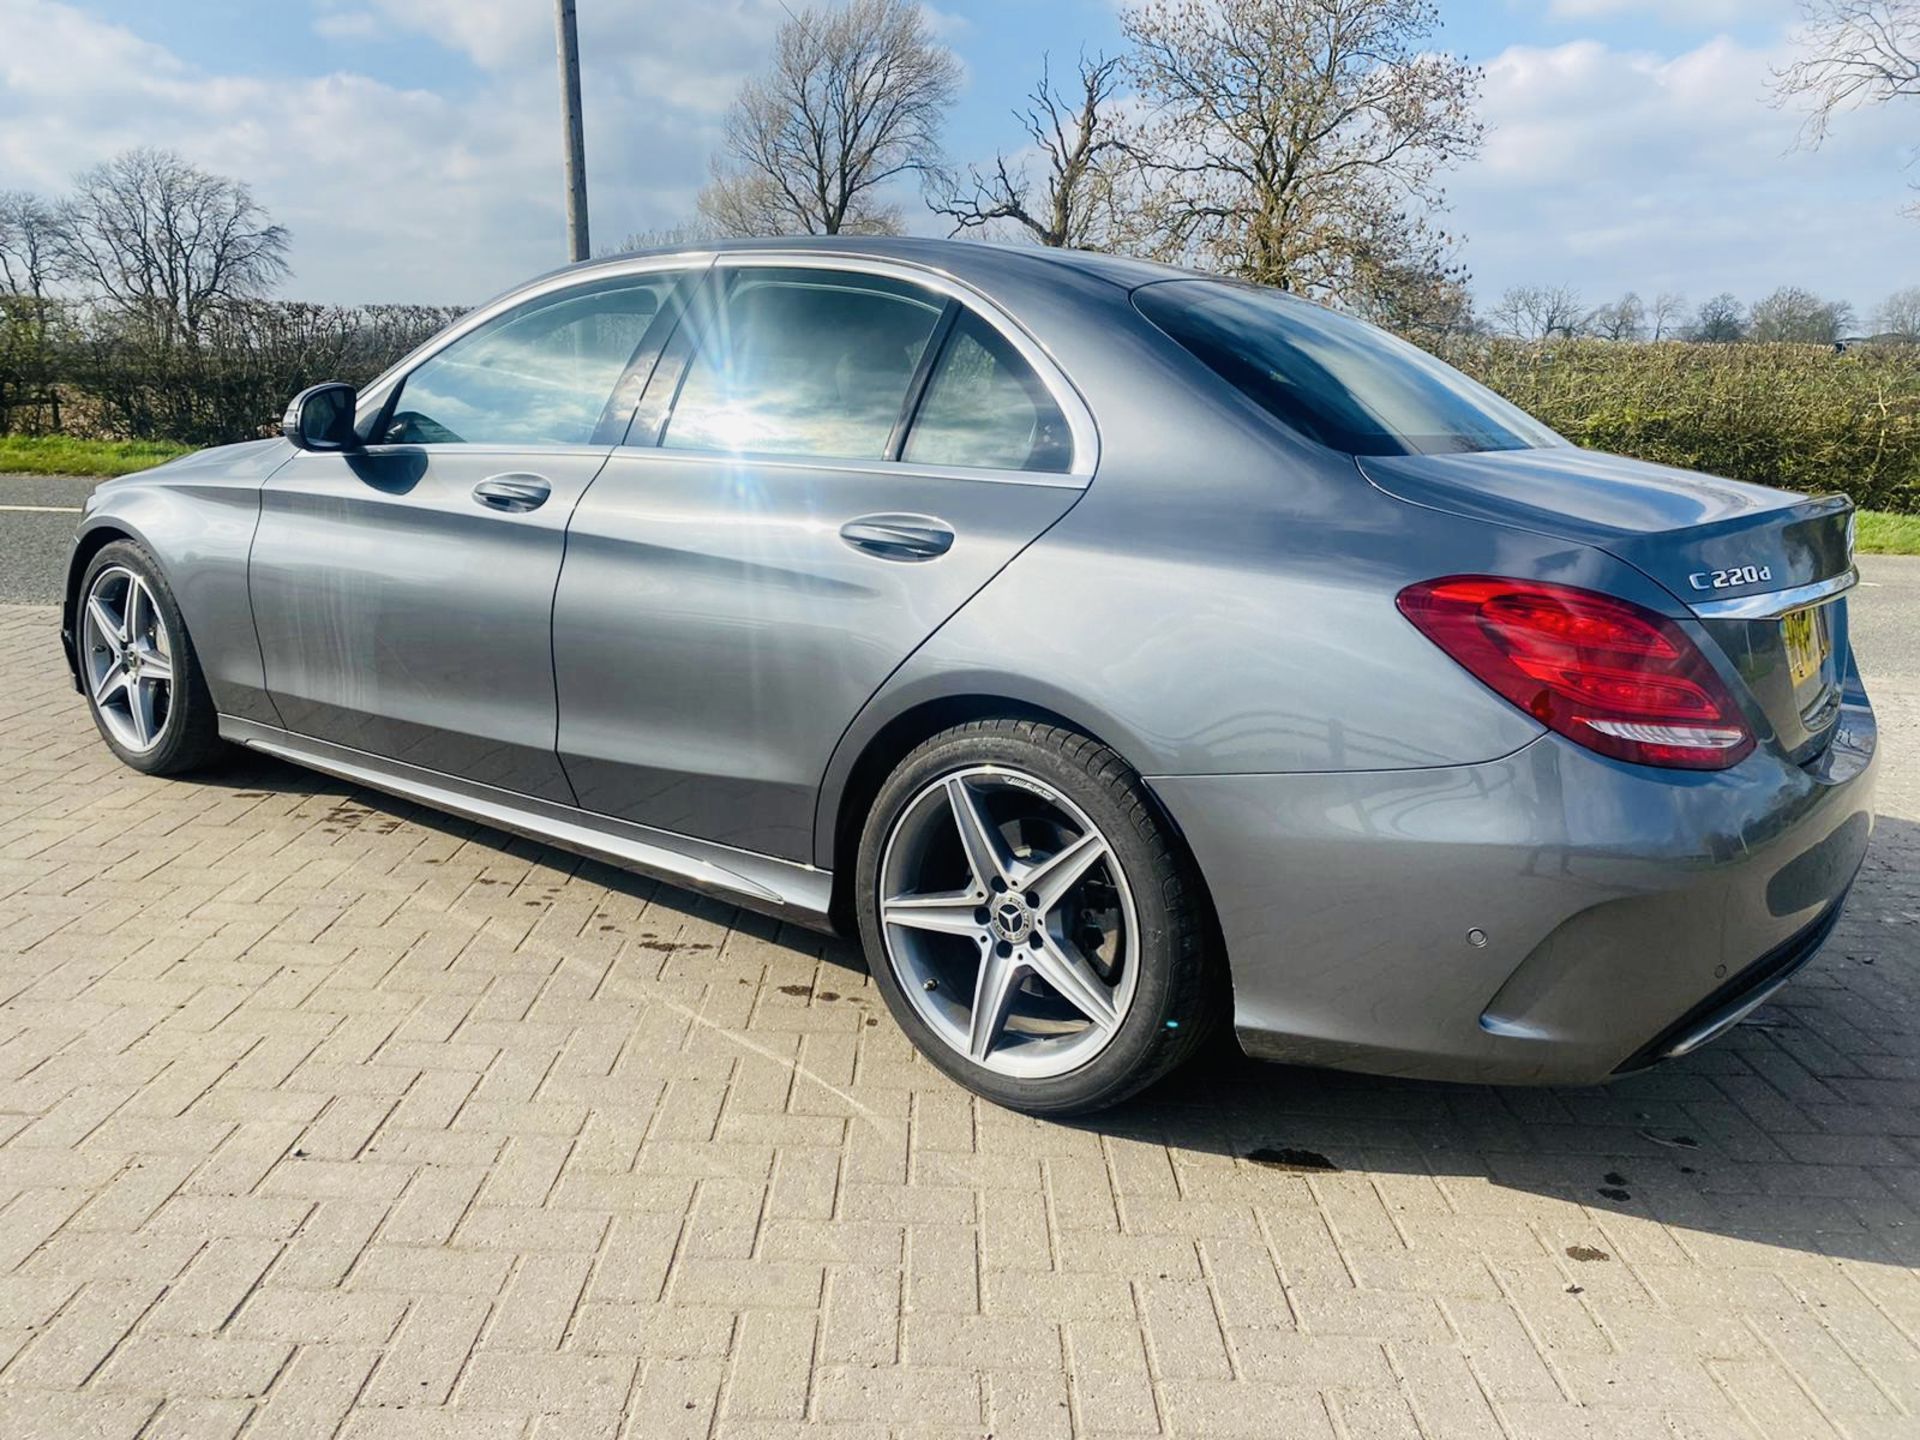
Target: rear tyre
143,682
1030,919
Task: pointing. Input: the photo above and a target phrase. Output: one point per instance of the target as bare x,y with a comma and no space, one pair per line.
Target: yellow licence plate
1805,634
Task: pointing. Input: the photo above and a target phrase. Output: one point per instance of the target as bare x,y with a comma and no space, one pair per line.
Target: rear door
403,594
830,460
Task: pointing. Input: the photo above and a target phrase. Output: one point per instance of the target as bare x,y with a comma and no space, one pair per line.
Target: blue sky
411,145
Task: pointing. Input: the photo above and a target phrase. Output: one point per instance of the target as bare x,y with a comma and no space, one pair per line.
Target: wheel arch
87,544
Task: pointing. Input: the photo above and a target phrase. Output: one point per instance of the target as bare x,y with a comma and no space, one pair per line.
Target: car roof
973,260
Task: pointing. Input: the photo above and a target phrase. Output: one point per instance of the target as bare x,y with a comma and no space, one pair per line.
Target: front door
734,593
404,594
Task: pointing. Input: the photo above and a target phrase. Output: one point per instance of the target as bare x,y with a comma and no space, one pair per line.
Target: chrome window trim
1778,603
1086,437
884,469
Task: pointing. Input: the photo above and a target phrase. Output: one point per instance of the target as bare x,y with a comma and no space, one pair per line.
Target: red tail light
1601,671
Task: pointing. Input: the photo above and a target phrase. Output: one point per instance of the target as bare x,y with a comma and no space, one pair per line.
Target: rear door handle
513,493
899,537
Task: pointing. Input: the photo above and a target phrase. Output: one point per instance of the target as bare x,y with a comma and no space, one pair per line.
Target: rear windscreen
1336,380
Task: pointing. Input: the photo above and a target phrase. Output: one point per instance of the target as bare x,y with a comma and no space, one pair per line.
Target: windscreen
1348,385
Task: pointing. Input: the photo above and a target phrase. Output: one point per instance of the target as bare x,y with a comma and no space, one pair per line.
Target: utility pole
577,244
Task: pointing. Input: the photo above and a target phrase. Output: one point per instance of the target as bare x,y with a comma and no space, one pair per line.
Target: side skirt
781,888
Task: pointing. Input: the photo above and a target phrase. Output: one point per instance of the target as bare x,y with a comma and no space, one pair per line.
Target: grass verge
64,455
1884,534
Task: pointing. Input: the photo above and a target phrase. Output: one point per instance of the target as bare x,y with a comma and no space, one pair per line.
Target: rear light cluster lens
1601,671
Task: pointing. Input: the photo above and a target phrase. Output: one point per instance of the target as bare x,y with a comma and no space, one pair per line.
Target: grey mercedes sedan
1117,651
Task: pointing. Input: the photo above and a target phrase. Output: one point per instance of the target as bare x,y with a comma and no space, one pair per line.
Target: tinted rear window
1336,380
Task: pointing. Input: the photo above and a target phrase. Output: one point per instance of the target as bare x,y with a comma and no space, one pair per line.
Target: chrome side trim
888,469
779,887
1776,603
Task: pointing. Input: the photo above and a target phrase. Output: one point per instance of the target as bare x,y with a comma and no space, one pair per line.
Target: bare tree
1622,319
1539,312
1721,321
1669,308
1858,53
1077,133
158,236
1298,143
1794,316
1899,315
680,235
29,315
1427,307
29,248
854,99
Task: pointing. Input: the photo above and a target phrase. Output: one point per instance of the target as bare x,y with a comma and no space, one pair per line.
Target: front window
541,374
1336,380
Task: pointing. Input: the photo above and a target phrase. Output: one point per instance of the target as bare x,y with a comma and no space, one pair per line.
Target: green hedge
1796,416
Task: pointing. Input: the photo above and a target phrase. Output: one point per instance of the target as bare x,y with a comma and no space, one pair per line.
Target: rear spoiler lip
1776,603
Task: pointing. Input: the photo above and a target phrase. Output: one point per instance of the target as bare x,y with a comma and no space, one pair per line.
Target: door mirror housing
321,418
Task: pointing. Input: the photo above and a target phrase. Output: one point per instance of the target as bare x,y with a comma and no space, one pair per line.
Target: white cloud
494,34
395,193
1614,169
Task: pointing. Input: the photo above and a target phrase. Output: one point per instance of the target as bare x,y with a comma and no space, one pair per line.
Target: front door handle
513,493
899,537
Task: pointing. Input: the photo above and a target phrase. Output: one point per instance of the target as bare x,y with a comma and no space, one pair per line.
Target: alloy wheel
1008,922
128,659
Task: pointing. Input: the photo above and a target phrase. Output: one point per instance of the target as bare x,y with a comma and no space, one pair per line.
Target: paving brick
419,1366
316,1393
548,1383
74,1345
212,1289
539,1303
772,1367
314,1317
166,1365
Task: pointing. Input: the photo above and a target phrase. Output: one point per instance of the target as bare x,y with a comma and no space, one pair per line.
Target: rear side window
1336,380
804,362
985,407
541,374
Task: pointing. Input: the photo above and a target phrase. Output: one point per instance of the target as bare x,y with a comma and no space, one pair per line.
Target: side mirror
321,418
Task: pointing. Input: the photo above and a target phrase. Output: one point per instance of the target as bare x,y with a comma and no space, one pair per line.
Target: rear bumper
1737,999
1550,917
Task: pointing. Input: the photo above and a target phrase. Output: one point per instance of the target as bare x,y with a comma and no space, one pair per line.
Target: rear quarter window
1336,380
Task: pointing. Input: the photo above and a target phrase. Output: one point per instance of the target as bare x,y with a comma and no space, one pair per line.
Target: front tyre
1030,919
142,679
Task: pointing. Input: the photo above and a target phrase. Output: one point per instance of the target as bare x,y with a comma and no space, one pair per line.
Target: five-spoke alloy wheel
1009,922
1030,920
137,665
127,658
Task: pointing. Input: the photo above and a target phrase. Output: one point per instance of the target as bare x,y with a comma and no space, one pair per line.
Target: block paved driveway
323,1115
